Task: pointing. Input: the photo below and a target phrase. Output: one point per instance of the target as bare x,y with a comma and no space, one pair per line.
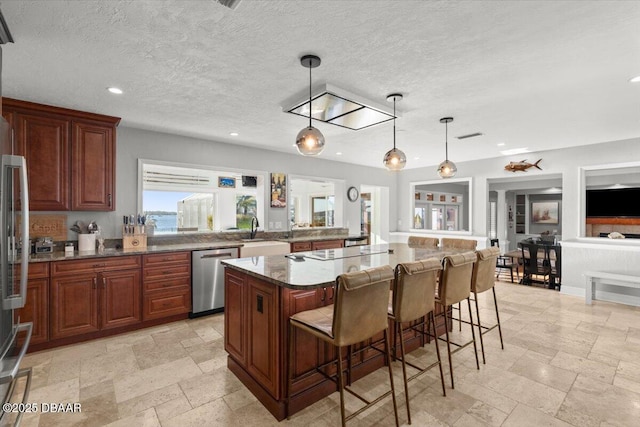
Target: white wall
133,144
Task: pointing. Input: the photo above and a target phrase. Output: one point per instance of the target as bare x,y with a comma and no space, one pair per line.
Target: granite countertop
305,270
60,256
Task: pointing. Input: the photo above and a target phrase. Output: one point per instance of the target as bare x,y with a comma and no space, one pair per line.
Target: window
493,220
190,199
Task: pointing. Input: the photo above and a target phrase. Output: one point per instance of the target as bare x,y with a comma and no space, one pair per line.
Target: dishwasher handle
223,255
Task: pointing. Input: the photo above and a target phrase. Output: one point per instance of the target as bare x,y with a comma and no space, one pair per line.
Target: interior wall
133,144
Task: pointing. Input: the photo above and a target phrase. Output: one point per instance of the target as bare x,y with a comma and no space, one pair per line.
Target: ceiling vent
471,135
231,4
341,108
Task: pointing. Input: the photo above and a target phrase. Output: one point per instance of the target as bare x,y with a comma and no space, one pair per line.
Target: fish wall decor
521,166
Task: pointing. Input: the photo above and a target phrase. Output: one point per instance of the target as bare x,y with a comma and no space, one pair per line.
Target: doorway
374,213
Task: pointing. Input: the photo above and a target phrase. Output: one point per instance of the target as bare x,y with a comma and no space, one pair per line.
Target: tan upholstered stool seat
318,321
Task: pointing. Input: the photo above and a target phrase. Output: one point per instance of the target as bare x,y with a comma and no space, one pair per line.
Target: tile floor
564,364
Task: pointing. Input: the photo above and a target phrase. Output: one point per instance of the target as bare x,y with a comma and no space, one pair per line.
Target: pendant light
447,169
310,141
395,159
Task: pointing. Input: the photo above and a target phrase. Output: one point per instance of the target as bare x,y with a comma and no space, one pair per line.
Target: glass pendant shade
310,141
395,159
447,169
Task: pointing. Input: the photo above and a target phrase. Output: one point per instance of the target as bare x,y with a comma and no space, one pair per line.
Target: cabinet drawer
300,246
59,268
154,285
328,244
170,271
164,258
37,270
166,303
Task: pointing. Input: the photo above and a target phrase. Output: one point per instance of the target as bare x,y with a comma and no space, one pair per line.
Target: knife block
134,240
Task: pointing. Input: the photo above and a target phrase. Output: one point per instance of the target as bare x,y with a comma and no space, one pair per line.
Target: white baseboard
602,296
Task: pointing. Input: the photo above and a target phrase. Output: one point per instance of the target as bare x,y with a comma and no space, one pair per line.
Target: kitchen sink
261,247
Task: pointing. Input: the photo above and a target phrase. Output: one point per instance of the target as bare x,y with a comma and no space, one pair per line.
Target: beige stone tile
629,370
78,352
154,378
154,398
63,370
486,414
524,416
240,398
531,367
524,390
108,366
207,387
214,413
139,339
580,365
207,333
149,356
146,418
173,408
490,397
105,387
594,400
192,342
617,347
627,384
62,392
176,334
445,409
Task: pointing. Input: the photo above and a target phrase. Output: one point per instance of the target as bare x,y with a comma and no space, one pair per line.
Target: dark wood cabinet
316,245
92,166
44,142
70,155
36,308
235,325
92,295
166,284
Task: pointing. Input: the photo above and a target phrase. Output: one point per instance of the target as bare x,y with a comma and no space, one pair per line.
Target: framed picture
417,196
226,182
544,212
454,199
443,197
278,190
430,197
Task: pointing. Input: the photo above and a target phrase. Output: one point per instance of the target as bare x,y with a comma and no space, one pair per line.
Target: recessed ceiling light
515,151
636,79
115,90
501,144
339,153
234,134
416,158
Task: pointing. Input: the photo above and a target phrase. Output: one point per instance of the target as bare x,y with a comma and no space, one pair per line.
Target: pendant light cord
446,141
310,93
394,123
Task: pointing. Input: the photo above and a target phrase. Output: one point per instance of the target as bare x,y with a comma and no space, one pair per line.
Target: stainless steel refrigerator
14,210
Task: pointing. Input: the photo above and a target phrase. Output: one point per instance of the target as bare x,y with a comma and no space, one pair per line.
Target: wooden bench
629,280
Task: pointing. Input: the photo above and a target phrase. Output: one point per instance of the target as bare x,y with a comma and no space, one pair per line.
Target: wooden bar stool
359,312
483,280
413,297
454,287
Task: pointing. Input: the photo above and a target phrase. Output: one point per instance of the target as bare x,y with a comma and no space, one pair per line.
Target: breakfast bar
261,293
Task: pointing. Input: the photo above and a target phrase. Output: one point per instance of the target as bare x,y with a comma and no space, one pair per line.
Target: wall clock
352,194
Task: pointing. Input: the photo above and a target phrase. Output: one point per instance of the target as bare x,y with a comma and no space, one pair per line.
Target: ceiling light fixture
115,90
395,159
635,79
310,141
234,134
447,169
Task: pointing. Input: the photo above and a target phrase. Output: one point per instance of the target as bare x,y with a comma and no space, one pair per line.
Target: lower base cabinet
166,284
36,308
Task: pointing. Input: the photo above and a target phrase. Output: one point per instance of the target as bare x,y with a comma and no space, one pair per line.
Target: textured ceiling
534,74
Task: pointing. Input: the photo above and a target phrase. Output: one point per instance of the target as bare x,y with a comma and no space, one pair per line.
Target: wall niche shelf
521,213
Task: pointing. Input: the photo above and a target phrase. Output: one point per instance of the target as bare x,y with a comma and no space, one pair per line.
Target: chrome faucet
254,227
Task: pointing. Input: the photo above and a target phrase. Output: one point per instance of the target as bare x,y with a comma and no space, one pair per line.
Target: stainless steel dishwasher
207,280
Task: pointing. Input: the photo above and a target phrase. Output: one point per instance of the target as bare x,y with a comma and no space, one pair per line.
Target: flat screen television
619,202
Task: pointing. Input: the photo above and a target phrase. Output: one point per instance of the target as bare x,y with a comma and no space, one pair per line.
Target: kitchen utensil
75,228
82,226
92,227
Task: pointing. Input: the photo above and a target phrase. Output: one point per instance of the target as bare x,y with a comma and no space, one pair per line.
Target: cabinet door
92,163
262,319
235,311
120,298
74,305
36,309
44,141
328,244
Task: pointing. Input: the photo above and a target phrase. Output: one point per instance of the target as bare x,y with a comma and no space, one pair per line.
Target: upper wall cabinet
70,155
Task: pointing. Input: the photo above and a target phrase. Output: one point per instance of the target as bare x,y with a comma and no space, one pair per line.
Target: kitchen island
261,293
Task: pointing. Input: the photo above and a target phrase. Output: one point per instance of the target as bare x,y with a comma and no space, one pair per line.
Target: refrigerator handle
10,162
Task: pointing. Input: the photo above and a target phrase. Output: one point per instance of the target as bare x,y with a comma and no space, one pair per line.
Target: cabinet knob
95,283
109,199
104,282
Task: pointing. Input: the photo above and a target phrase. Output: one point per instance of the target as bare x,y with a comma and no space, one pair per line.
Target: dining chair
359,313
423,242
454,286
535,263
413,298
505,263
